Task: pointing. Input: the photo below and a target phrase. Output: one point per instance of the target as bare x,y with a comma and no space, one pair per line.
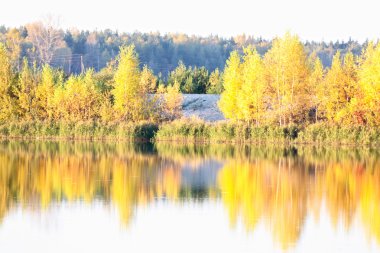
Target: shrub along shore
143,131
194,130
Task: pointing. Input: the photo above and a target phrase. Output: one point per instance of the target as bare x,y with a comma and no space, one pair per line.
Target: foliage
6,81
47,95
287,80
170,101
215,83
251,95
232,84
69,49
195,130
369,82
50,79
283,95
86,130
190,80
128,93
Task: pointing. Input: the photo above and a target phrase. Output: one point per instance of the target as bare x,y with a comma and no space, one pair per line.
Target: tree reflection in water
278,186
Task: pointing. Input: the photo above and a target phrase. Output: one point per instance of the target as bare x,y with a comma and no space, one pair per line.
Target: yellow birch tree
251,95
6,79
287,77
128,95
232,81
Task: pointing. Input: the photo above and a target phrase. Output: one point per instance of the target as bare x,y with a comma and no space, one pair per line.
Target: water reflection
279,187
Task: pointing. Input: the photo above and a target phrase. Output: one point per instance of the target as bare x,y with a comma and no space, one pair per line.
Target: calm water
108,197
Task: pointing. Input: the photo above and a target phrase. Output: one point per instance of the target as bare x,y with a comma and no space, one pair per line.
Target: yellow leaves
287,88
132,87
6,79
128,93
45,93
172,103
148,80
369,82
287,77
77,99
274,89
25,91
232,84
318,88
243,95
251,95
168,101
341,87
106,110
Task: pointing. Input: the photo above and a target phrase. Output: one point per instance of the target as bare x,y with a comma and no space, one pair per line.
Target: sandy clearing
203,106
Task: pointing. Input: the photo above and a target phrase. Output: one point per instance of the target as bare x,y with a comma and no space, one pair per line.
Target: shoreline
193,131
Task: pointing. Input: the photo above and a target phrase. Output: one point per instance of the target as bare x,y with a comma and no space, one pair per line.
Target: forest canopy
74,50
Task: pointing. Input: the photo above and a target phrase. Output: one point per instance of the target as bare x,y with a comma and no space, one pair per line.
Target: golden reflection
278,187
272,190
41,173
282,191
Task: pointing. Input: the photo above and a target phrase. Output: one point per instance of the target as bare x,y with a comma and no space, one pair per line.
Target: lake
118,197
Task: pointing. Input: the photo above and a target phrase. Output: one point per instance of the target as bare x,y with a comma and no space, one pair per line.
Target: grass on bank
143,131
194,130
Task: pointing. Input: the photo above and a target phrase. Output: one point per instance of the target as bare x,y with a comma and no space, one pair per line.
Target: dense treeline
288,96
47,95
285,86
73,50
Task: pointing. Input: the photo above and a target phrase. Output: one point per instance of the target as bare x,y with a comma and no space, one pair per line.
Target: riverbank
143,131
192,130
187,130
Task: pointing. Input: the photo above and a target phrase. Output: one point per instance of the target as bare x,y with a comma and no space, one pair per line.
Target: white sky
310,19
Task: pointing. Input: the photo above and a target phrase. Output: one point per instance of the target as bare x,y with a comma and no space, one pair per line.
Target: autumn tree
106,109
317,86
45,92
232,82
172,104
79,98
287,77
6,80
341,86
351,90
25,91
369,83
251,97
148,80
129,95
